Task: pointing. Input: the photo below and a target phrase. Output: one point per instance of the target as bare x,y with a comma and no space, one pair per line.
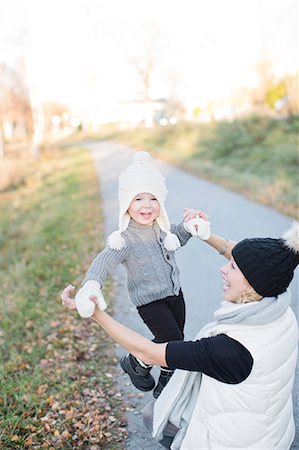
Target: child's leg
170,311
165,375
165,318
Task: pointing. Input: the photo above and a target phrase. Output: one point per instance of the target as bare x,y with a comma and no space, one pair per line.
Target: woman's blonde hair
249,296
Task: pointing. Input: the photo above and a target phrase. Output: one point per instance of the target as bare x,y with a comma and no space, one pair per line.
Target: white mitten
198,227
190,226
203,229
84,305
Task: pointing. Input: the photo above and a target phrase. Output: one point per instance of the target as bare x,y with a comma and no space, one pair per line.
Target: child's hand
196,223
84,298
65,297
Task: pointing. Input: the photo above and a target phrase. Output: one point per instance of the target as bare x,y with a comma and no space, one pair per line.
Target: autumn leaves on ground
57,389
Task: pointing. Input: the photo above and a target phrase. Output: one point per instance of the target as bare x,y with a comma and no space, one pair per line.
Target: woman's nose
223,269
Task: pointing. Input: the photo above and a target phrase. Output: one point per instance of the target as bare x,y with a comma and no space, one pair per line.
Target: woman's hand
66,300
193,213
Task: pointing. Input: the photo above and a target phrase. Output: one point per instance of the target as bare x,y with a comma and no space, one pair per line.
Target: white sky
77,51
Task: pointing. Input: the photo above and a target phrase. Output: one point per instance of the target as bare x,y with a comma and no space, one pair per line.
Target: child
145,244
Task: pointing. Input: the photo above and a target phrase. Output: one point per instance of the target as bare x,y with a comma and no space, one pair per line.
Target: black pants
165,318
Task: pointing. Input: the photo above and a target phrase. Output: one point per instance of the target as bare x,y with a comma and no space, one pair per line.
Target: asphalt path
231,215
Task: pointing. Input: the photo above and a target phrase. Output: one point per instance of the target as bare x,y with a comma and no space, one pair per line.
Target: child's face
144,208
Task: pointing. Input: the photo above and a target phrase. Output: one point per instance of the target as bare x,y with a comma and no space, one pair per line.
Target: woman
235,389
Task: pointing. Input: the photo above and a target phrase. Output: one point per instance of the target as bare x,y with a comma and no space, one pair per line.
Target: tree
16,114
1,113
145,61
275,94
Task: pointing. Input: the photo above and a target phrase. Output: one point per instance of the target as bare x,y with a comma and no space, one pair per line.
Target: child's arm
139,346
99,270
104,264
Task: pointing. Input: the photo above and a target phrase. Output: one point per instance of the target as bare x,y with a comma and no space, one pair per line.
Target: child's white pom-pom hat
141,177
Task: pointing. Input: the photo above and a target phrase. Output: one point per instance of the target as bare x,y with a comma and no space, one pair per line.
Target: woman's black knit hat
268,264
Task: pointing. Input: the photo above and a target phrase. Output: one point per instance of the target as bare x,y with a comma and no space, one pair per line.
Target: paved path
230,214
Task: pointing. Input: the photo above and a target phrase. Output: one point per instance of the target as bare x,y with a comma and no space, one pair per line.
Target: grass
56,388
256,156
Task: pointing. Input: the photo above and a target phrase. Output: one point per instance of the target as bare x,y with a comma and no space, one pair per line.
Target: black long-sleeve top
219,357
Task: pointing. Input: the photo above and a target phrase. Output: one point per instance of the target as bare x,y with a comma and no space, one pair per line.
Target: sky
81,52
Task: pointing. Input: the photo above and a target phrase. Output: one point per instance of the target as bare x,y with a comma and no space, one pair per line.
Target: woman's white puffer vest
257,413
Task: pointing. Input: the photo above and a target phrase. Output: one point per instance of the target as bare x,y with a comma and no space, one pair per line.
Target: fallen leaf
28,442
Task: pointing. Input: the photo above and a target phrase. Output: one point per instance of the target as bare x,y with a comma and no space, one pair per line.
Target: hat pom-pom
171,242
116,241
291,237
142,156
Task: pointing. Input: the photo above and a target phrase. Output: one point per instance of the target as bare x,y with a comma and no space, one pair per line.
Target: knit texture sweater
152,272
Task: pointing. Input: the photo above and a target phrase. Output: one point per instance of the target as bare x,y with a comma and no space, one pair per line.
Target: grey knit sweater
152,272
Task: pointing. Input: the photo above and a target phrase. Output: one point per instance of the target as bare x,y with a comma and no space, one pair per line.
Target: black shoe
164,377
140,376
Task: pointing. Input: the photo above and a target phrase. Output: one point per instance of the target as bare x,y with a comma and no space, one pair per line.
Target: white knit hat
141,177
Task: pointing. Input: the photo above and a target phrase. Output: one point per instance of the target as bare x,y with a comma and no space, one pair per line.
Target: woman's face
144,208
235,284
